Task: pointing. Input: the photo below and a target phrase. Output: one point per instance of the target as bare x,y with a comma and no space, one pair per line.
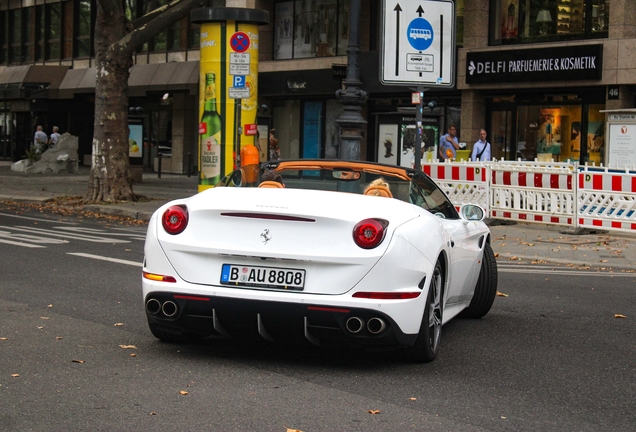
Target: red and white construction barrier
464,183
547,193
607,199
533,192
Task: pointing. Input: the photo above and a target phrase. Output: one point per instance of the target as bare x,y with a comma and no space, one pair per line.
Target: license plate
263,277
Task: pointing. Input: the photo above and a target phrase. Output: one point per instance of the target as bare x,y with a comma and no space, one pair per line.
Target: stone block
62,158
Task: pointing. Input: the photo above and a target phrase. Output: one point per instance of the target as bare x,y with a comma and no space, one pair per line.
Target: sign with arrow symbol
419,43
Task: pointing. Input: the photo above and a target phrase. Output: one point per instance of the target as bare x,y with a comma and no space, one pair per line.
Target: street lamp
352,97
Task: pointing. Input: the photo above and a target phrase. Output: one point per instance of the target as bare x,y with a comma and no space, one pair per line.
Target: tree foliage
117,36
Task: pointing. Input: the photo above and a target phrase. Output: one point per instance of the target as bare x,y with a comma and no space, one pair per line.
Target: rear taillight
175,219
159,277
370,232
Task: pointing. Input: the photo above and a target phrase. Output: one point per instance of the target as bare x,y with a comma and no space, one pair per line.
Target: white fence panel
607,199
463,182
533,192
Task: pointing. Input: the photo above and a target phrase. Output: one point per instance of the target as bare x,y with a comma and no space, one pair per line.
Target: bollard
189,164
159,154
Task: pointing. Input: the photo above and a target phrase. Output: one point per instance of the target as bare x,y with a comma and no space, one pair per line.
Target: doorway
503,134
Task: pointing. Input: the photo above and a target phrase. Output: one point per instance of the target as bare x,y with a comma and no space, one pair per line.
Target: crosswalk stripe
103,258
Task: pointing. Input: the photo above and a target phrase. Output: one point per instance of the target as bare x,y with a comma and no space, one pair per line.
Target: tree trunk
110,179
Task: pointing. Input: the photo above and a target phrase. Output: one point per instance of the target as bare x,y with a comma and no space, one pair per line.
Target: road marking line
103,258
65,234
567,272
38,219
21,244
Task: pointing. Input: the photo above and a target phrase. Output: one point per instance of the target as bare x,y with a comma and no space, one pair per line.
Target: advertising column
228,88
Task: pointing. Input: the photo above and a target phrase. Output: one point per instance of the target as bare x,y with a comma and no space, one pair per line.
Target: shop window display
555,133
310,28
524,21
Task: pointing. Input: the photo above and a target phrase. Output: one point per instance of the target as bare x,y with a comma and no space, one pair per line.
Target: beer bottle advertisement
210,135
228,96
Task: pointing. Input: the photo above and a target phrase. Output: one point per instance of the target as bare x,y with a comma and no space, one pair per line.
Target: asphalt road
76,354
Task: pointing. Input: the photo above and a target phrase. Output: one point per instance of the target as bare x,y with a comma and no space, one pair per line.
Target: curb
607,266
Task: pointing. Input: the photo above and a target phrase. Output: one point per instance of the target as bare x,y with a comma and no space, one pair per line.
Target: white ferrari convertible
320,251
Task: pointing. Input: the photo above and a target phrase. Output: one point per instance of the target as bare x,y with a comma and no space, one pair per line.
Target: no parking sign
240,42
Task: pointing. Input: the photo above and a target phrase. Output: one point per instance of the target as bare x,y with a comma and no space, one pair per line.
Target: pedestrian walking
448,144
482,150
55,136
40,139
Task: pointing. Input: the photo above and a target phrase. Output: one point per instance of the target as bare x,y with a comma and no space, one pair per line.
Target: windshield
359,178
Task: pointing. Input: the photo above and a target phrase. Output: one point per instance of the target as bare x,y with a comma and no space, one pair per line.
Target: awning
143,79
31,81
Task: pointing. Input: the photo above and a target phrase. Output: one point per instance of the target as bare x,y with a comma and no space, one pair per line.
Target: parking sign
419,43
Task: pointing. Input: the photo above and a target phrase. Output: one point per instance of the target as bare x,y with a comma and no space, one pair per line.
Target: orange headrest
377,190
270,184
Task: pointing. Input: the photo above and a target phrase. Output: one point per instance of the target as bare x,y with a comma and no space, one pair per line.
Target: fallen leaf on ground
514,258
50,306
293,430
78,361
619,316
153,413
58,338
183,392
133,355
119,324
374,411
40,327
45,318
127,347
412,398
603,260
500,294
4,338
496,254
15,375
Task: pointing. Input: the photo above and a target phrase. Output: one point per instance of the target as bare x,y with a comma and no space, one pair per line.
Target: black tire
486,288
173,337
427,343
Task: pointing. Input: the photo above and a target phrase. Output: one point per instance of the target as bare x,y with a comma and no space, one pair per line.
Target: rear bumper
273,320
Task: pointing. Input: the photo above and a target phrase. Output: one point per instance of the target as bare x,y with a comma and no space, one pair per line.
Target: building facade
537,75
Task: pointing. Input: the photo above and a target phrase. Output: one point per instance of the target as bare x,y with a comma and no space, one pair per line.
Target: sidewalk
21,187
520,242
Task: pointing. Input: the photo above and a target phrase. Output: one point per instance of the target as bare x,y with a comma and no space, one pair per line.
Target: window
526,21
28,19
195,35
83,29
40,32
53,31
316,28
15,36
4,37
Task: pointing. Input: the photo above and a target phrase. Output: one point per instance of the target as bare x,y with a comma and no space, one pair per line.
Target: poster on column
388,144
622,145
228,96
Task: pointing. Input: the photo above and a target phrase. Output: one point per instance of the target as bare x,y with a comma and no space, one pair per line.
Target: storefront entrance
562,127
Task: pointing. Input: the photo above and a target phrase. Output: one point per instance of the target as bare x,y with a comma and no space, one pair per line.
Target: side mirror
472,213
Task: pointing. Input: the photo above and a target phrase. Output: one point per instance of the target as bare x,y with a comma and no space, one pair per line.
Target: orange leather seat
270,184
377,190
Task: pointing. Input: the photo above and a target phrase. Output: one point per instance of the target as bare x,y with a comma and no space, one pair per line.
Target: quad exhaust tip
354,325
169,308
153,306
376,325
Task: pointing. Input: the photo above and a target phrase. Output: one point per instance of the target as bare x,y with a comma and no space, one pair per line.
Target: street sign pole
417,151
418,51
